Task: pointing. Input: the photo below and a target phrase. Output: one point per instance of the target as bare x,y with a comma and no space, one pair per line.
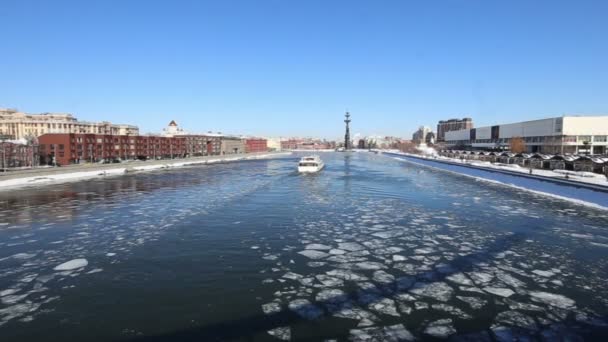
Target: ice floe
282,333
305,309
72,265
437,290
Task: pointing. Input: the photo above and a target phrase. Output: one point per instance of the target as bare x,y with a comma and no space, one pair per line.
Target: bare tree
517,145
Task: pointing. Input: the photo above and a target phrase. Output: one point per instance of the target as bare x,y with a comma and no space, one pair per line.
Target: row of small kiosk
597,164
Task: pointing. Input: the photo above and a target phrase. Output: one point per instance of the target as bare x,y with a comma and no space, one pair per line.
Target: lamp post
3,155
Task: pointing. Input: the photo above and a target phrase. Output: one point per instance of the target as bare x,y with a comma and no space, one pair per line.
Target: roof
172,123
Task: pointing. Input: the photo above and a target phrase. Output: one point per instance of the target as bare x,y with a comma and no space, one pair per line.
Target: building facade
18,125
253,145
452,125
73,148
232,145
558,135
423,135
202,145
15,154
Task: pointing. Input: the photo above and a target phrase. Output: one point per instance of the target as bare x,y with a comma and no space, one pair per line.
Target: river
369,248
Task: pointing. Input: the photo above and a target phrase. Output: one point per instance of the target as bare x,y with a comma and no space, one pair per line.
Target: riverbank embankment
48,175
584,193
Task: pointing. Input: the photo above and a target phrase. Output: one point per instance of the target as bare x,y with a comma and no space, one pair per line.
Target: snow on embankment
578,192
70,176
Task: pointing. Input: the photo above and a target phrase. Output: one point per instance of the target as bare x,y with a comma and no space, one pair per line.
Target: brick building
253,145
73,148
76,148
452,125
202,145
15,154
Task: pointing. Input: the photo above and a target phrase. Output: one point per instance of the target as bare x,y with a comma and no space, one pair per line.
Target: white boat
310,164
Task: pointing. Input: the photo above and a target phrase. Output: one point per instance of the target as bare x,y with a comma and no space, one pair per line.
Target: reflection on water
368,248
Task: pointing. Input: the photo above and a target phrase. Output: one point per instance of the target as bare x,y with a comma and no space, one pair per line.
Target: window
599,138
61,147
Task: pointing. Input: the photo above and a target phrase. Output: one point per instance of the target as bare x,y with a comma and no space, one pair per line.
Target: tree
517,145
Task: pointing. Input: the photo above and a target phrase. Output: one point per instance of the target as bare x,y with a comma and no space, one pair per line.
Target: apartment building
18,125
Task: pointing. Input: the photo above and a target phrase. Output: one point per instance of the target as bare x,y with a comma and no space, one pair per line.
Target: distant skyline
292,68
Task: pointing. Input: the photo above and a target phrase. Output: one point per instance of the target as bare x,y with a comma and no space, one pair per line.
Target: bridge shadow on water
254,327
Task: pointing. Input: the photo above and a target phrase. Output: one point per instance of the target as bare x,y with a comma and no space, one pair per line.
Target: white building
173,129
274,144
565,135
18,125
423,135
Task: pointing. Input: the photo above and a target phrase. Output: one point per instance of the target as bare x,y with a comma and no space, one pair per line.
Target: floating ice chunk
546,274
317,246
517,319
350,246
480,277
499,291
370,265
255,247
552,299
397,333
8,292
329,281
423,251
17,310
292,276
405,297
12,299
72,265
336,251
313,254
110,254
392,333
23,256
438,290
460,278
315,264
471,289
510,280
440,329
398,257
474,302
95,270
270,257
305,309
282,333
383,277
346,275
385,306
451,310
405,268
28,278
332,296
271,308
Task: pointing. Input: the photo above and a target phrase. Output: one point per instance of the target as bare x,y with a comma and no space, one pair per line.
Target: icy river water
371,248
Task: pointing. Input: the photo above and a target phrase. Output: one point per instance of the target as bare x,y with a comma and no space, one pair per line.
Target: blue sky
292,67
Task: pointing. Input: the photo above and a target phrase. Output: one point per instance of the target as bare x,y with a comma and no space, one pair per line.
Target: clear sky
292,67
